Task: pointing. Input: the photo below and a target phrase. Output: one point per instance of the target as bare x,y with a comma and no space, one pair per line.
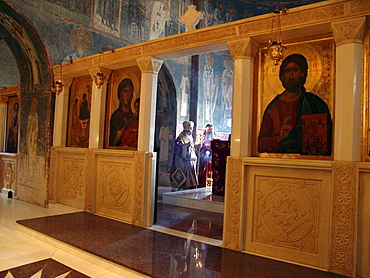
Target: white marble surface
199,198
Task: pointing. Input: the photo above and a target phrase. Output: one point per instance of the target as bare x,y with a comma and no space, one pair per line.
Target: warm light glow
99,79
57,87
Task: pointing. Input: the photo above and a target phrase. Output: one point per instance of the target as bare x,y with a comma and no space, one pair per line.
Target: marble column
243,53
61,114
348,35
97,112
148,98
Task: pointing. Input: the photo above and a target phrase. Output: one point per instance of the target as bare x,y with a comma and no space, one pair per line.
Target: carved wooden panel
71,181
139,181
343,233
69,171
9,172
288,214
233,203
114,186
363,254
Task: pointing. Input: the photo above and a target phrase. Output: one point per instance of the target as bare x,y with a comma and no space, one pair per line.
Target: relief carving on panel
115,187
233,203
137,216
89,180
9,174
286,212
345,207
73,185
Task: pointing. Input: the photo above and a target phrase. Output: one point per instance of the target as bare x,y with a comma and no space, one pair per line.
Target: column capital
349,31
245,48
149,64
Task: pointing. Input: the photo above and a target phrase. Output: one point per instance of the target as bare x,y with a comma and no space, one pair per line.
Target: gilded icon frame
320,55
113,103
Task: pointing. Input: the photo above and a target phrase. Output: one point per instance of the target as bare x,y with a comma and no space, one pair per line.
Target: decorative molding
246,48
360,6
10,91
149,65
344,215
233,203
190,40
307,17
349,31
139,180
89,180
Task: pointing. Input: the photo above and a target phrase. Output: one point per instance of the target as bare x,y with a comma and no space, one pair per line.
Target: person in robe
123,117
283,119
183,169
205,156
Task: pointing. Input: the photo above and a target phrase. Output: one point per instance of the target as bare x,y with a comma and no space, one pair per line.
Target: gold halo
273,83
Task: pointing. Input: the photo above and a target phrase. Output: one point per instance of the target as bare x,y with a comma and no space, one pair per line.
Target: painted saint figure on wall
12,143
32,137
296,121
210,89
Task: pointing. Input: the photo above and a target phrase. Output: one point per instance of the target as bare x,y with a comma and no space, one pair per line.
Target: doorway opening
195,89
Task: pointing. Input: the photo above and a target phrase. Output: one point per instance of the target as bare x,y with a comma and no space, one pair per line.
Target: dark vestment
119,120
273,118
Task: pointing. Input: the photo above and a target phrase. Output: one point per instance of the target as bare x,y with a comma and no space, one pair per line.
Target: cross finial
191,18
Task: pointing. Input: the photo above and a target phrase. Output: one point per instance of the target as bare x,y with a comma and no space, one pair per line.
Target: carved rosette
89,180
138,207
349,31
360,6
233,203
343,232
149,65
246,48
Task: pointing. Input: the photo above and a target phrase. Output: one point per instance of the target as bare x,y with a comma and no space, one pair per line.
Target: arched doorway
36,104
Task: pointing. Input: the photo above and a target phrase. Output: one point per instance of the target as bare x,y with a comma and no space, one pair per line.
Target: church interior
204,138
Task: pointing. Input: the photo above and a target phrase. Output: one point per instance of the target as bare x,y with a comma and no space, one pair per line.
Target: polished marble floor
90,245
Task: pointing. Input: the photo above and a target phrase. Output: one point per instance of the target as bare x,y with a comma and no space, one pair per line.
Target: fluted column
348,35
243,53
148,98
61,114
98,106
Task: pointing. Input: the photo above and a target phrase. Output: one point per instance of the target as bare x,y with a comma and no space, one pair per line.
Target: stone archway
36,102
